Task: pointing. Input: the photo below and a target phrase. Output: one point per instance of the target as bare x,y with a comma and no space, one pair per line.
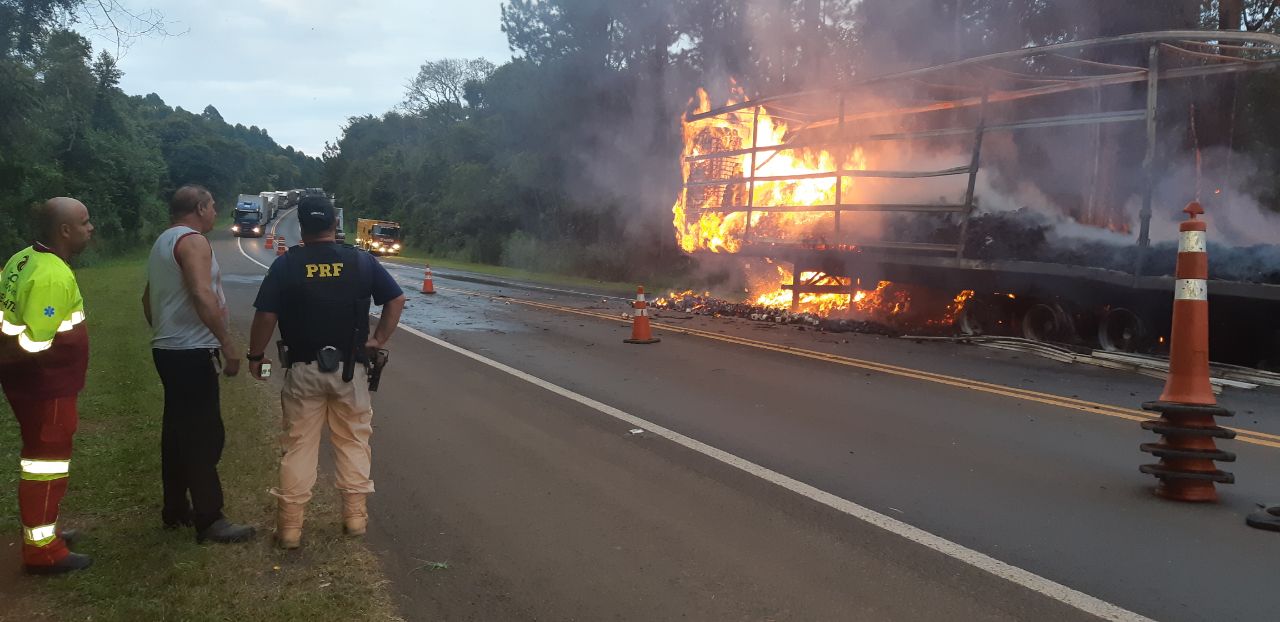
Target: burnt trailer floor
1092,307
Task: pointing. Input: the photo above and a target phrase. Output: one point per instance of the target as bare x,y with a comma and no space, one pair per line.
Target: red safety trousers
47,427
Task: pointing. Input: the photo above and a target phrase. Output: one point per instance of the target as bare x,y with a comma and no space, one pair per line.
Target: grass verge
142,572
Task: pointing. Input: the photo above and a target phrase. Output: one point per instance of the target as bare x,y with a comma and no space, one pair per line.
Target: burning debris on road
706,304
887,310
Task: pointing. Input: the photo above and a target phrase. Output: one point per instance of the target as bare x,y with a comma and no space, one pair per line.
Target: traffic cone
280,247
268,242
640,330
1188,381
427,286
1187,407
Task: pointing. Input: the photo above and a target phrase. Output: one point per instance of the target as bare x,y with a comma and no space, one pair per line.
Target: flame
883,303
698,222
713,217
953,310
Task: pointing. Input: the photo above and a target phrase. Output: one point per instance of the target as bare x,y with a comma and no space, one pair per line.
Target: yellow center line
1247,436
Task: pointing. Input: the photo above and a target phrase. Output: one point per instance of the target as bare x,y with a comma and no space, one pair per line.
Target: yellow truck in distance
380,237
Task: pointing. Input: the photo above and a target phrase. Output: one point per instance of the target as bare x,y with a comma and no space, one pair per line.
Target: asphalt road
777,474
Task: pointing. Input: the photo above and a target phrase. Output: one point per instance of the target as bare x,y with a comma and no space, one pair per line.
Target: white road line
240,244
240,240
1029,580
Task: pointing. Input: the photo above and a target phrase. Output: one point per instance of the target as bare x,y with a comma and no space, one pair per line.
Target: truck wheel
1121,330
981,317
1047,322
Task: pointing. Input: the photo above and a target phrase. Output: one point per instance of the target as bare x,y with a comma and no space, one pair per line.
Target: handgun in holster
379,361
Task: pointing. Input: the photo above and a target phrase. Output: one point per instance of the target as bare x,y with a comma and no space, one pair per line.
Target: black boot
73,561
224,531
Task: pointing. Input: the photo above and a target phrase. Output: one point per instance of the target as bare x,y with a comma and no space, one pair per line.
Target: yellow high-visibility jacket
42,306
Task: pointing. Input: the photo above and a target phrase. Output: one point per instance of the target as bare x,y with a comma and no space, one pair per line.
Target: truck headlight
235,228
257,229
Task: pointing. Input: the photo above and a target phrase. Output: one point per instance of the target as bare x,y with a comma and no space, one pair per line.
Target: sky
300,68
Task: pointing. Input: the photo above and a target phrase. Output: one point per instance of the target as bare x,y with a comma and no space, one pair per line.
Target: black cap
315,214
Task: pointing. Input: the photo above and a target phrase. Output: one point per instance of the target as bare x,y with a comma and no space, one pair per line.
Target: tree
1252,15
212,115
444,83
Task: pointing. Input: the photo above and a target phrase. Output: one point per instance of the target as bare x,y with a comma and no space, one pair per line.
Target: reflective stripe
642,312
1192,242
70,323
42,535
33,346
12,330
1191,289
45,470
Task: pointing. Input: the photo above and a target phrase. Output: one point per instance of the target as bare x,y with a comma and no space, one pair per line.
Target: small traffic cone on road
268,242
641,332
1187,407
280,247
427,286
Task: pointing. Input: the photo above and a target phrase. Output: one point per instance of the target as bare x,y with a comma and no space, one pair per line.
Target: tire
1047,322
1122,330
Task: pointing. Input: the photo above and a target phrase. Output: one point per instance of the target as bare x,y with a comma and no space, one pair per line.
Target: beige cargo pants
310,399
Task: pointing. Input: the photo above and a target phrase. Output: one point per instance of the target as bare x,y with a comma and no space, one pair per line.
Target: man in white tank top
190,339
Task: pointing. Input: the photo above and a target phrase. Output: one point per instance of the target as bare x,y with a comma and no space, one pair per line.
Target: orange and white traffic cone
268,242
280,247
427,286
1187,407
641,332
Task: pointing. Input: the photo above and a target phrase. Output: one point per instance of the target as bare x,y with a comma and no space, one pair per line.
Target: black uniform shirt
321,293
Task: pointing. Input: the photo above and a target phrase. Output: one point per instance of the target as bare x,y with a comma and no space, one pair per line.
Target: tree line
66,128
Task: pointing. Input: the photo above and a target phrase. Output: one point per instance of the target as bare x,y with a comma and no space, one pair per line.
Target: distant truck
342,234
380,237
249,219
282,202
271,205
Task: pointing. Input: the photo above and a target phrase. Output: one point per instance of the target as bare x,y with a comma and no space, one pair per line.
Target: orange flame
701,219
714,216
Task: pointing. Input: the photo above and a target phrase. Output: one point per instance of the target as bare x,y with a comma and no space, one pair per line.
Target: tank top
175,325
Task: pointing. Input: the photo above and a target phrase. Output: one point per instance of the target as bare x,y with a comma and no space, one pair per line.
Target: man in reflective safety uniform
320,293
44,354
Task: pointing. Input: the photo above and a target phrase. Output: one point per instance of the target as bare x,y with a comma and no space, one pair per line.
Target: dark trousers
191,438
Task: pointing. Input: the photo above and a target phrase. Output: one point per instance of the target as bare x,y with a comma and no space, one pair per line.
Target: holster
282,353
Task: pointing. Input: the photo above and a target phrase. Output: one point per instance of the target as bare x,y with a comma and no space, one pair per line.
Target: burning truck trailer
871,201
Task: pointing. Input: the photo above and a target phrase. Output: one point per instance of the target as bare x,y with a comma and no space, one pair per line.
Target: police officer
44,355
320,292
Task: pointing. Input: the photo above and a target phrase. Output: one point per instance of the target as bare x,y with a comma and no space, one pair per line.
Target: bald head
63,224
54,213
